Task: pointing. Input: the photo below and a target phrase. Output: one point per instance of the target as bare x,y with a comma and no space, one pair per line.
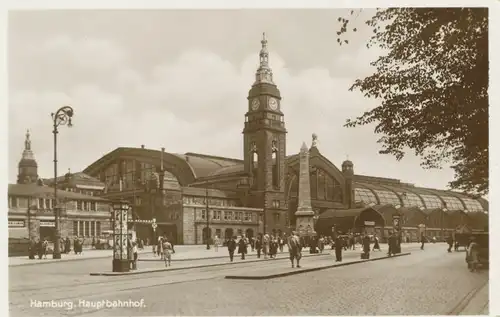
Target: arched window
276,176
432,201
453,203
411,199
472,205
364,195
387,197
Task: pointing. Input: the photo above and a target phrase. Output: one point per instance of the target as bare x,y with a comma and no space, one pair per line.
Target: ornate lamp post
120,236
62,117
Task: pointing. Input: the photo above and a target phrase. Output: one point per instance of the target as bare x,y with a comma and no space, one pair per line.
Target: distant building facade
259,192
31,205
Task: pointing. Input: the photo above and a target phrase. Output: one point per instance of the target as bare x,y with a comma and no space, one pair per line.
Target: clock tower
264,138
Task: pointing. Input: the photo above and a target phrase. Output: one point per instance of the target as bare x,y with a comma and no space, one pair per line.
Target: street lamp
62,117
120,236
207,214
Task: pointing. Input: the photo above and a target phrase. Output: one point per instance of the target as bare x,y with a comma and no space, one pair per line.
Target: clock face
255,104
273,104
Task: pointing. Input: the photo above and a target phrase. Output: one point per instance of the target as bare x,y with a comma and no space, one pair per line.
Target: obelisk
304,214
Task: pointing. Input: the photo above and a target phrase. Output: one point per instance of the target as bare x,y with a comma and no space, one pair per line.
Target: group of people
40,247
164,249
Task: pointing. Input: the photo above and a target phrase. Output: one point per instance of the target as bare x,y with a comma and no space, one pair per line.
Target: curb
266,277
62,260
214,257
191,267
465,301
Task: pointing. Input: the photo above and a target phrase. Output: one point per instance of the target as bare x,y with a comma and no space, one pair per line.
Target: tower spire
27,141
28,153
264,73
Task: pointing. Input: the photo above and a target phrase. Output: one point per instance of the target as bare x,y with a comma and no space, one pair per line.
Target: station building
194,196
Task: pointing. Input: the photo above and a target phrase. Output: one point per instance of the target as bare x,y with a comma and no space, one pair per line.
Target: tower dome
27,167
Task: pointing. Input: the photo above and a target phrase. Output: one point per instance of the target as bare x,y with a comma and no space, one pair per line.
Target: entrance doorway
48,233
228,234
207,234
249,233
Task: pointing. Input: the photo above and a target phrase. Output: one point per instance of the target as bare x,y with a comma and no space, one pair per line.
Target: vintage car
482,239
105,241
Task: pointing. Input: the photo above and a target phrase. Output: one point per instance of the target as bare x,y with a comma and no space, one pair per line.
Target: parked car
105,241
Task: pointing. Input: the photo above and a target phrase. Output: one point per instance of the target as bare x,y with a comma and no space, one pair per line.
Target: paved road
426,282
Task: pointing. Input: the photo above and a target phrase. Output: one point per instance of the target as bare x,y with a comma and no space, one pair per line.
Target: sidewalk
89,254
182,253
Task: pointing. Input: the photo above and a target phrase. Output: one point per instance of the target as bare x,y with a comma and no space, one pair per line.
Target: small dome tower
27,167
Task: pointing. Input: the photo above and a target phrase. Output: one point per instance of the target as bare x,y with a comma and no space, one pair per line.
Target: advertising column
120,236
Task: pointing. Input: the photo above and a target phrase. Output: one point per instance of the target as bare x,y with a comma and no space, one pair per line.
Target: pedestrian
258,245
339,245
231,246
154,249
67,245
321,244
135,254
167,250
366,246
449,240
294,248
281,242
422,240
376,244
392,244
216,243
472,254
265,245
242,247
45,247
158,246
32,249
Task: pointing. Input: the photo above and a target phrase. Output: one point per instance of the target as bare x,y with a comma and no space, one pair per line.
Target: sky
180,79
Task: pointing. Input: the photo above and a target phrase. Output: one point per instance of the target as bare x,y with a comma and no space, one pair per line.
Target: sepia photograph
235,162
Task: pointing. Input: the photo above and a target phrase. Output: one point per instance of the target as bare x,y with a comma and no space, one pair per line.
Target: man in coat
231,246
392,243
242,247
339,245
258,245
294,248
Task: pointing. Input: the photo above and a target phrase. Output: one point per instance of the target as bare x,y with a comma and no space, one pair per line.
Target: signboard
16,224
369,223
50,224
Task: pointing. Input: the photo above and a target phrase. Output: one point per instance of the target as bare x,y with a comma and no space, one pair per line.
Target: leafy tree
432,86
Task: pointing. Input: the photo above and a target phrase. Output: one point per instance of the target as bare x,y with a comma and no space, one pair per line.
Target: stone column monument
304,214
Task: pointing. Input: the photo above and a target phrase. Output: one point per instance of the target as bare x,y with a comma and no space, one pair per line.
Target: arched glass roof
411,199
432,201
387,197
472,205
364,195
453,203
